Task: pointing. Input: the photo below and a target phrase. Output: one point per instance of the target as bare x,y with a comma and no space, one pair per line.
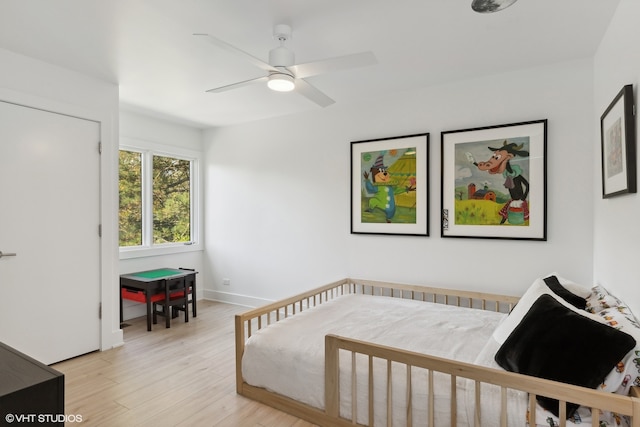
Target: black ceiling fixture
489,6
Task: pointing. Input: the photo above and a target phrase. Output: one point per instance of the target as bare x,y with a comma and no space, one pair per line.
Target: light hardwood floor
181,376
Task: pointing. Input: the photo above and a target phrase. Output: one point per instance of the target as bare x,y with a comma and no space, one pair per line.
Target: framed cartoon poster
618,140
390,185
494,182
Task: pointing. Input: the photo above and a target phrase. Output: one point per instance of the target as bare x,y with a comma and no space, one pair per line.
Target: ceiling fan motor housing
281,57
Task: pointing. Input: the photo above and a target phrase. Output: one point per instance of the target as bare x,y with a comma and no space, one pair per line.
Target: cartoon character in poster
494,191
382,188
515,182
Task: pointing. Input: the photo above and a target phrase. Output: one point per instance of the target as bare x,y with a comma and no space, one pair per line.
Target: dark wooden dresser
29,391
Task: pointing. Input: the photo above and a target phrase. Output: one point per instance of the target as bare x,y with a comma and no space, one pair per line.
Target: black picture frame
396,203
494,182
618,145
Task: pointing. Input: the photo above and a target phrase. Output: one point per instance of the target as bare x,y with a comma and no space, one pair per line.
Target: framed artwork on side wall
390,185
618,139
494,182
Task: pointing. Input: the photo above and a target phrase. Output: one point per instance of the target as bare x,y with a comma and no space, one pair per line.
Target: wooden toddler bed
362,352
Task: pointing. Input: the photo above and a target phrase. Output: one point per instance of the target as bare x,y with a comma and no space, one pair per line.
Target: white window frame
148,248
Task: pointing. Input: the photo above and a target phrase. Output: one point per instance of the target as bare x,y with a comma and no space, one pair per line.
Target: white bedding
288,357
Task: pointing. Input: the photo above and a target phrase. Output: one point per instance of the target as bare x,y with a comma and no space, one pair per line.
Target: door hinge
99,230
100,311
100,147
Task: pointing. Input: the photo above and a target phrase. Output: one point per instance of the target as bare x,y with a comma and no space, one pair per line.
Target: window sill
141,252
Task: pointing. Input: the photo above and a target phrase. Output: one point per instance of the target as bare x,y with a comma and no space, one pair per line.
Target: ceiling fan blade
333,64
313,94
238,85
232,49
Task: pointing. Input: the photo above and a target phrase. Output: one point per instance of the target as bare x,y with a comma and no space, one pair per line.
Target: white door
49,218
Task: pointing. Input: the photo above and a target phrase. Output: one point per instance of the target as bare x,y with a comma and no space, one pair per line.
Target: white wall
142,129
37,84
616,229
277,191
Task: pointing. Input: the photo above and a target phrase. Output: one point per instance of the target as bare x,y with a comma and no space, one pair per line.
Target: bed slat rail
460,298
623,405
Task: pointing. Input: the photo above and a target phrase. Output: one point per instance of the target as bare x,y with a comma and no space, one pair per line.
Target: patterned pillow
627,371
600,299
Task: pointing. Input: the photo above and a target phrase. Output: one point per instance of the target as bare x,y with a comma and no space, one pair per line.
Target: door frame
111,334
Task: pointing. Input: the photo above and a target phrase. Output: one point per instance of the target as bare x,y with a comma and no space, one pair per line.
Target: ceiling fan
282,74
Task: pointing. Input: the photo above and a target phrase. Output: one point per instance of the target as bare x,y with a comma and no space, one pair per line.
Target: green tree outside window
170,199
130,185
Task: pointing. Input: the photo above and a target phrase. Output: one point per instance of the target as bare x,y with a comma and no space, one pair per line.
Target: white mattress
288,357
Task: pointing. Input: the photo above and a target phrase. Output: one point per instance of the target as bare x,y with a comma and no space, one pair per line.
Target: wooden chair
191,286
176,295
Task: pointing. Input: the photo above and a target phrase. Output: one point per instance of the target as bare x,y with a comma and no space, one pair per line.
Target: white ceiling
147,46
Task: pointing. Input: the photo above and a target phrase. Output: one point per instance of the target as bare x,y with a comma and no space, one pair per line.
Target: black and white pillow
547,343
540,287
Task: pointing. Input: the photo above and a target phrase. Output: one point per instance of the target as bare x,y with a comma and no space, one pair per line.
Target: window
158,201
130,188
171,200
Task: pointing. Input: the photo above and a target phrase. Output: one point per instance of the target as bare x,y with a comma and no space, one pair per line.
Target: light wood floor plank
181,376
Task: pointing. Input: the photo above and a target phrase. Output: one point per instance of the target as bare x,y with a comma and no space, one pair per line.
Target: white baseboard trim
117,340
236,299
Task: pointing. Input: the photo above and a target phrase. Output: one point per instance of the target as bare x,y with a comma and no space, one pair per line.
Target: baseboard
236,299
117,340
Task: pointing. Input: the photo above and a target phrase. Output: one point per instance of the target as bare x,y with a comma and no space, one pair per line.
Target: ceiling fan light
281,82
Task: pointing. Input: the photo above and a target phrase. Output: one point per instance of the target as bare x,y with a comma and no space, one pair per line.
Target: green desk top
160,273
